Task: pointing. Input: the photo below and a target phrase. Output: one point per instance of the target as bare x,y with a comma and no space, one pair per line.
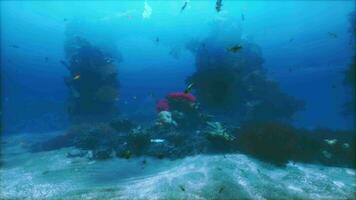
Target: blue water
299,51
38,29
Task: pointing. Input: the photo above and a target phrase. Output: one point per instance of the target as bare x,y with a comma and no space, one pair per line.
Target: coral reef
162,105
183,110
269,141
279,143
122,125
138,138
229,80
165,119
182,96
218,136
93,83
274,142
350,73
236,84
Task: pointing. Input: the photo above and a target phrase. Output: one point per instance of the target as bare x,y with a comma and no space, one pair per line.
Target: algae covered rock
138,138
218,135
122,125
270,141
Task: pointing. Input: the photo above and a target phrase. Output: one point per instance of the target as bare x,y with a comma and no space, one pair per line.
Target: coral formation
219,136
229,80
273,142
138,139
269,141
236,84
165,119
122,125
279,143
182,96
216,130
93,83
182,109
162,105
350,73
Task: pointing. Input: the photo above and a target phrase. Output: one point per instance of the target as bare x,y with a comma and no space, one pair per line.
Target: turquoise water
298,54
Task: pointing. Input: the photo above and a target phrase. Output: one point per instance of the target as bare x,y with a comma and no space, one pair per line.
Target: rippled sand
51,175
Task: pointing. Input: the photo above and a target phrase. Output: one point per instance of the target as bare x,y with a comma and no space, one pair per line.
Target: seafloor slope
51,175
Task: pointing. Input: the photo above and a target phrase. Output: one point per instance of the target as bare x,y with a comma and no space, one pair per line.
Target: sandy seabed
51,175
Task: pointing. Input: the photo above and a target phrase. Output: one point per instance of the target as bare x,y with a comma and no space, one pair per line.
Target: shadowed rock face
93,83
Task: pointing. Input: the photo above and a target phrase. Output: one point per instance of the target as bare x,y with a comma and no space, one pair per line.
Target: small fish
235,48
157,140
14,46
134,97
291,39
333,35
46,59
189,88
157,40
331,141
221,189
182,188
76,77
218,5
64,19
184,6
242,17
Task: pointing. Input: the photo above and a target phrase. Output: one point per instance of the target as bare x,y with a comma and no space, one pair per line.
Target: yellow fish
76,77
234,49
189,88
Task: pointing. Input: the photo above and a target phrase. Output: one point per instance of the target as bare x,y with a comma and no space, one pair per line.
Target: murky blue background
294,37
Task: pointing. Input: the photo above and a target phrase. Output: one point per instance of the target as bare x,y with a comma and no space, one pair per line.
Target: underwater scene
178,100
